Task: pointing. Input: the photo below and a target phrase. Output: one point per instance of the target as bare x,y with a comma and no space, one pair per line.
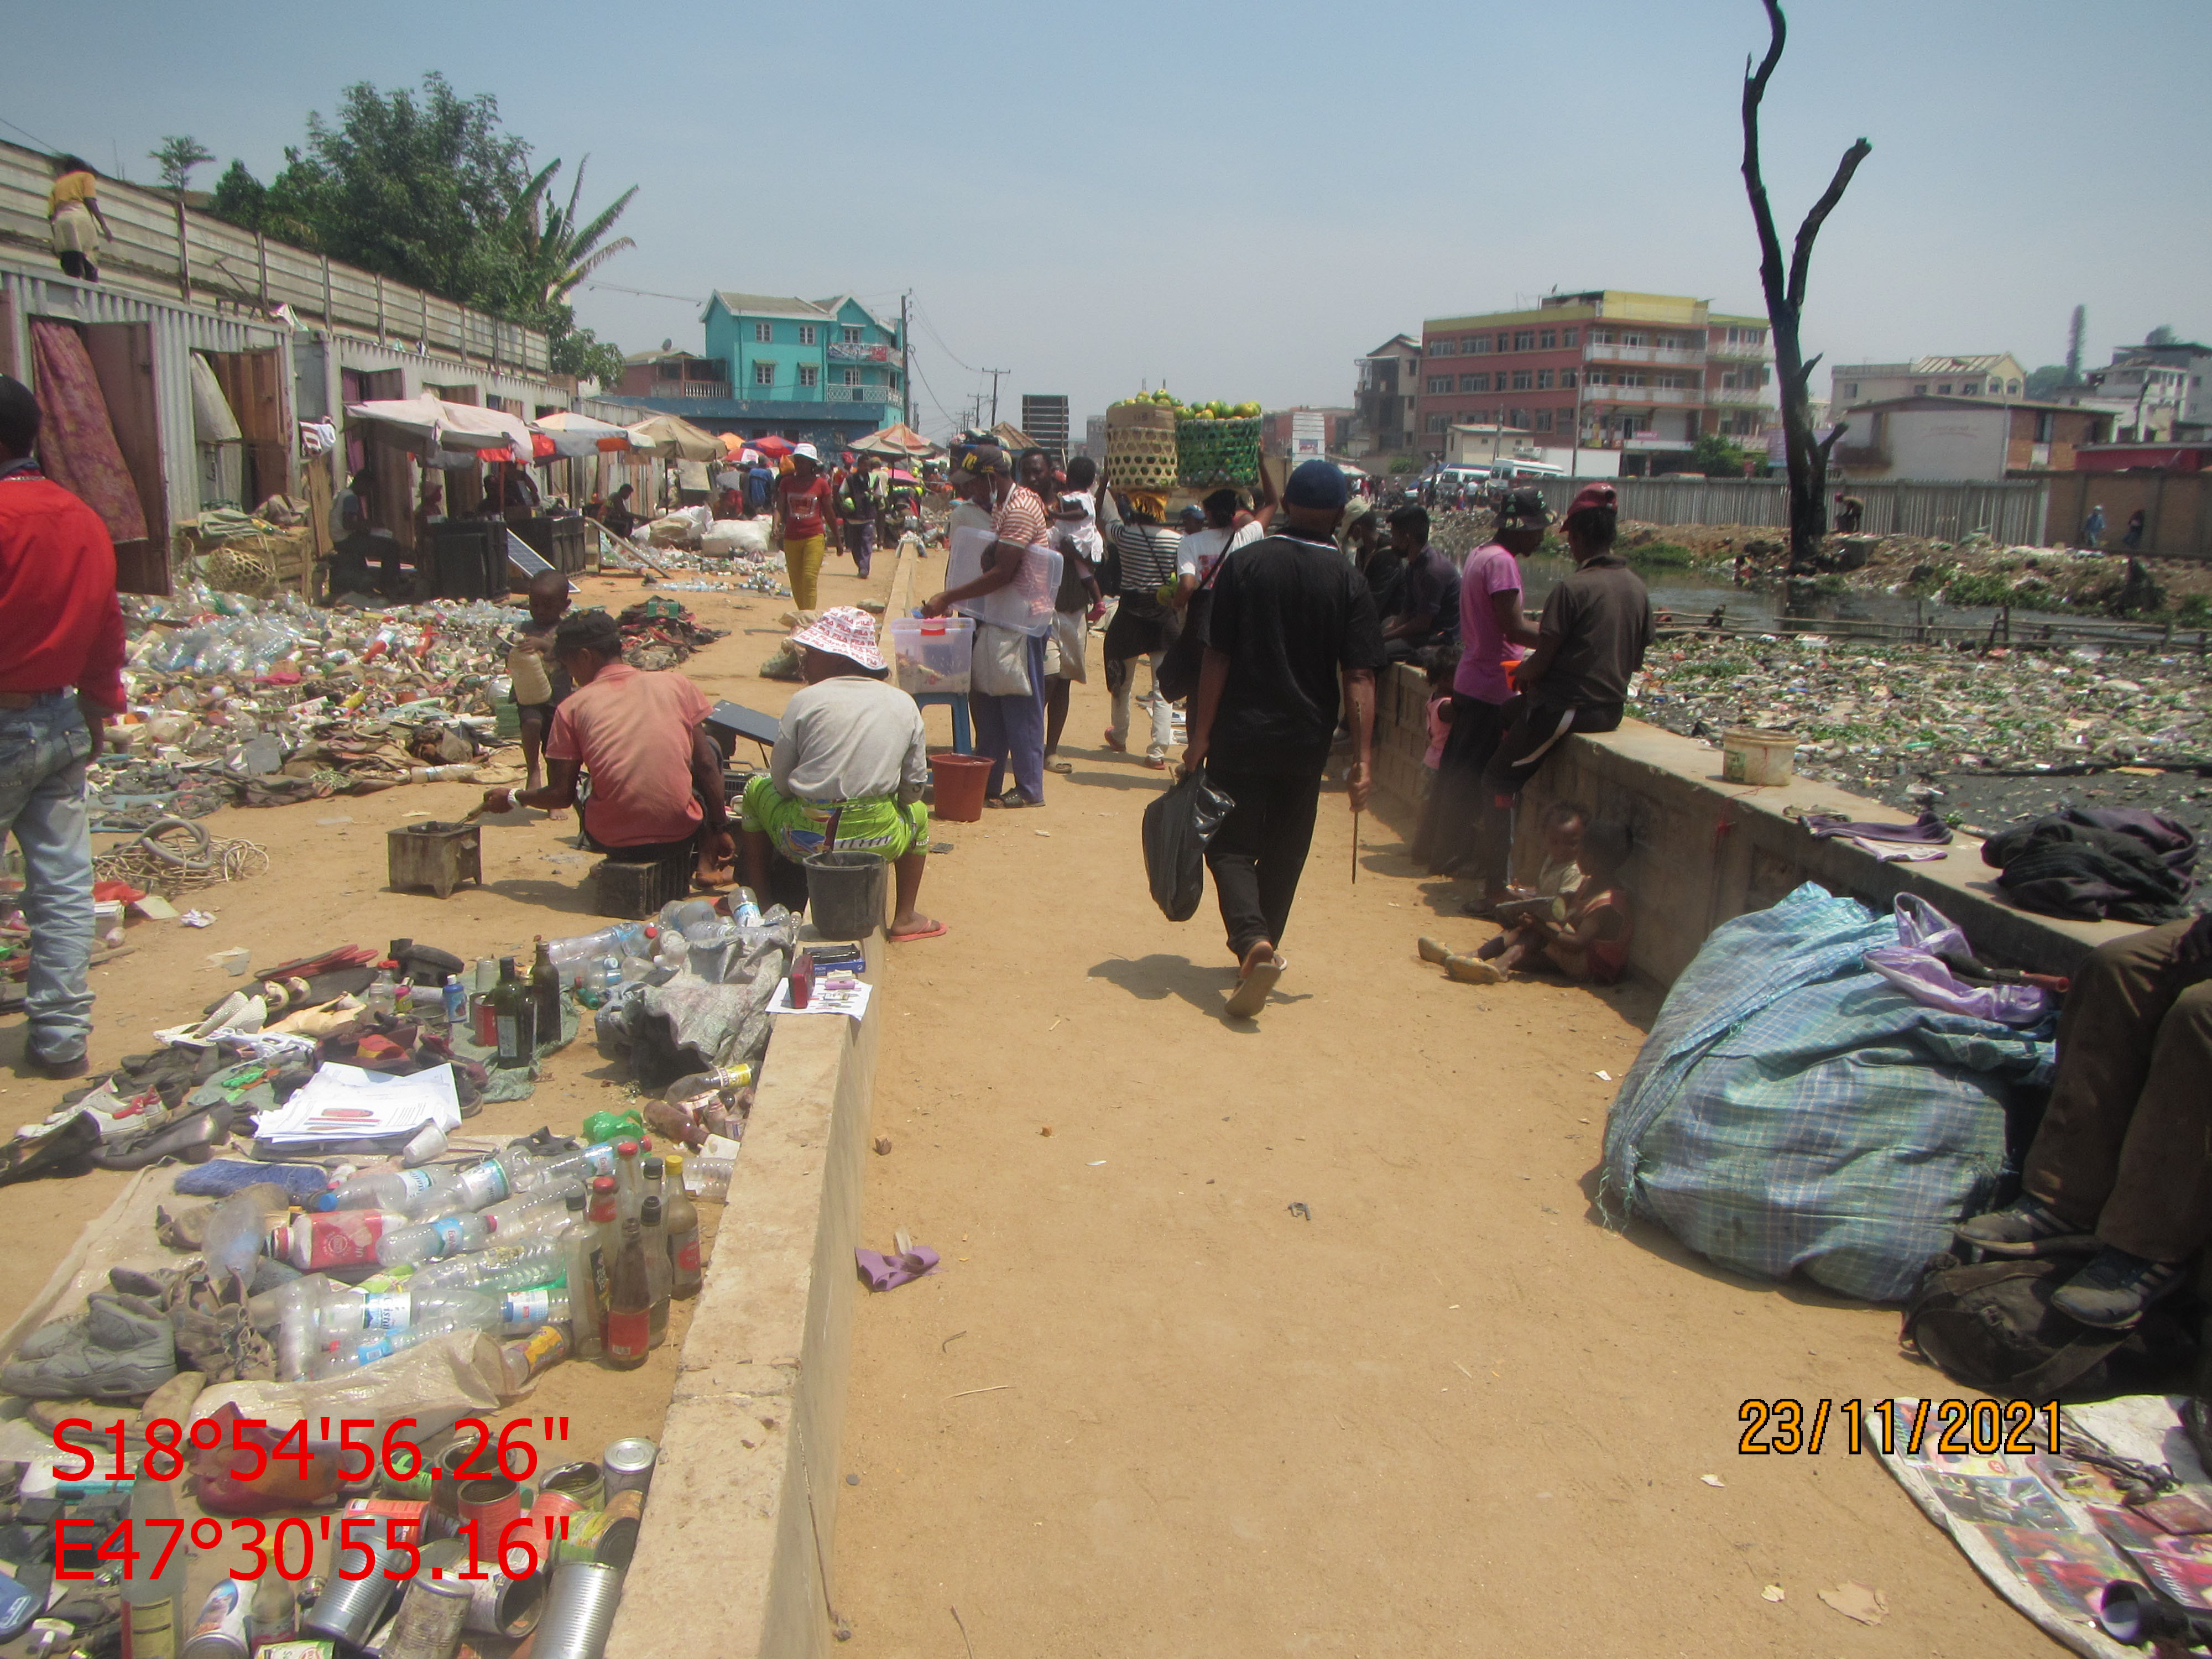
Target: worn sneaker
2115,1288
2026,1229
120,1348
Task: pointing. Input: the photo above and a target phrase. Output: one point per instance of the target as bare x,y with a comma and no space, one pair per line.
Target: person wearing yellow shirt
75,222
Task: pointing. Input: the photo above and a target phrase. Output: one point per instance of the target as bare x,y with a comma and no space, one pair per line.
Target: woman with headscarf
73,221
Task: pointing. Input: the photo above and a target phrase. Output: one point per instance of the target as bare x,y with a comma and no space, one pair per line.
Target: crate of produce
1141,446
931,654
1211,453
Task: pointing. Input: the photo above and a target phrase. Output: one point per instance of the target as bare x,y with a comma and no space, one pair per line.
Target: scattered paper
345,818
1605,1076
1095,1163
1771,1593
1856,1601
1712,1480
344,1103
833,993
197,919
154,907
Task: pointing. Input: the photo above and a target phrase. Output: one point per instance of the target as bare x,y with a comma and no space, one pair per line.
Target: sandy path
1447,1415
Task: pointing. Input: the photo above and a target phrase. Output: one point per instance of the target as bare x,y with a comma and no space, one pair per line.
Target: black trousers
1535,731
1457,813
1260,850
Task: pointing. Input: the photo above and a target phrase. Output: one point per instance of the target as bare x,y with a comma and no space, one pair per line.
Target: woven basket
1211,453
1141,446
232,569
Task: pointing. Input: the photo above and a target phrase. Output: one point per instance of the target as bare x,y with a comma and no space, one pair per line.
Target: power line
28,134
923,317
648,294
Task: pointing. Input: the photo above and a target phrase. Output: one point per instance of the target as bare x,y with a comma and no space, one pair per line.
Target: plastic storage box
931,654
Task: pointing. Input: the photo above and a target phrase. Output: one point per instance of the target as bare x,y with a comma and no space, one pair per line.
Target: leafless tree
1785,304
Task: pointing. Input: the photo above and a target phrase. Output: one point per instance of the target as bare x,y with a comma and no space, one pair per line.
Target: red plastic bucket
959,779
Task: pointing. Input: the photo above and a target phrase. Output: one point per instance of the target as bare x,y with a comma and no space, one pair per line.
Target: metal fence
2014,512
163,254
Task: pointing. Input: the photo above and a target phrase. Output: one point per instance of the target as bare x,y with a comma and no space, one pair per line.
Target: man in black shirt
1596,629
1425,610
1291,622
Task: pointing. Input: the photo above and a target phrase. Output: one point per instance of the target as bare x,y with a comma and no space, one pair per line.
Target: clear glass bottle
578,1246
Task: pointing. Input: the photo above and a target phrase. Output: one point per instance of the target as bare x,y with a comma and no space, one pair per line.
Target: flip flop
1116,744
935,930
1058,766
1250,997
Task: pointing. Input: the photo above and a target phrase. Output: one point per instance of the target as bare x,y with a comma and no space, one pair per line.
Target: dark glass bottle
545,995
630,1310
514,1017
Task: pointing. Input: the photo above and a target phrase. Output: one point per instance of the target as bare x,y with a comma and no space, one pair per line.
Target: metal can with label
223,1629
569,1490
630,1464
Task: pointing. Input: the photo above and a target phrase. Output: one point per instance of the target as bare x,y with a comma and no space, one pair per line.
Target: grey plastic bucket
845,894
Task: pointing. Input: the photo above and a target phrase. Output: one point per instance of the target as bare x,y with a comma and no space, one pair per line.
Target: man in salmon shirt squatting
656,775
61,682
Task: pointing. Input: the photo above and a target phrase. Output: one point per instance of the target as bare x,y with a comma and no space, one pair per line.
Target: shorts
1064,647
543,710
801,829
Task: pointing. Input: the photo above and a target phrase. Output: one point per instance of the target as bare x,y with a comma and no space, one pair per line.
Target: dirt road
1301,1336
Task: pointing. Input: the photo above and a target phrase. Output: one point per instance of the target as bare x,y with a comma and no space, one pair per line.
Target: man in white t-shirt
1202,550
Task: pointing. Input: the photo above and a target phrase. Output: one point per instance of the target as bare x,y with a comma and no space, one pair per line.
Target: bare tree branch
1801,259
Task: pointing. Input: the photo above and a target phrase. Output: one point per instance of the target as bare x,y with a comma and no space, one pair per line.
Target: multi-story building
2150,389
1277,425
1094,438
820,371
1384,399
1645,374
1044,417
2191,360
1994,375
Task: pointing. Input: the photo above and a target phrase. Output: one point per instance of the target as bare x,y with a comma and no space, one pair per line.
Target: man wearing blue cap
1291,623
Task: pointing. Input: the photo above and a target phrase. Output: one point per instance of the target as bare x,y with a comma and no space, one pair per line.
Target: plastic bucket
1749,755
845,894
959,780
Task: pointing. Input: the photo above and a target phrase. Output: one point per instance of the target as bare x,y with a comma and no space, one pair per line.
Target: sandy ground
1301,1336
326,888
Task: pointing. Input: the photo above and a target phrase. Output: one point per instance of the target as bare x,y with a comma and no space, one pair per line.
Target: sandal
1012,801
1060,766
1116,744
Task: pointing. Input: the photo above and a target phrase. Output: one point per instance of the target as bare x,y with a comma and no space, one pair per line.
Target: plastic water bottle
456,1003
340,1354
403,1192
746,912
532,1215
429,1240
709,1177
623,938
502,1267
521,1312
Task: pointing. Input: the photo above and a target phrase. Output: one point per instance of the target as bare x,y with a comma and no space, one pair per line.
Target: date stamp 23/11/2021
1948,1428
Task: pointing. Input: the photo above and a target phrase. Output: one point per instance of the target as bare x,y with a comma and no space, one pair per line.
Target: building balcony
1741,396
1740,353
720,389
1640,395
1595,353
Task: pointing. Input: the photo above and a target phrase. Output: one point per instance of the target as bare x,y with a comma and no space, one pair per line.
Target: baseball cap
1316,483
1603,496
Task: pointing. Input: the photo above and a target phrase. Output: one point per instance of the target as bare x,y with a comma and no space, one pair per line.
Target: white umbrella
579,437
464,430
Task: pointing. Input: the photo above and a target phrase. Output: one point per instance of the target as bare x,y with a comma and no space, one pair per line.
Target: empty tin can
221,1631
579,1611
434,1608
348,1609
629,1465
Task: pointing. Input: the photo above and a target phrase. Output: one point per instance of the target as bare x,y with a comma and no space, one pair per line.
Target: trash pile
262,702
348,1260
1885,716
691,539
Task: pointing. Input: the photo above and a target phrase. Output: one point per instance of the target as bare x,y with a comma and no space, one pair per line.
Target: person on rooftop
75,224
656,775
847,770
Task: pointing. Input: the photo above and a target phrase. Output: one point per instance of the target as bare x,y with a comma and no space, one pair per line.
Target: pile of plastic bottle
534,1251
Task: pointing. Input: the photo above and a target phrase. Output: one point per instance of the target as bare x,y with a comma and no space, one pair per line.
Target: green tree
2162,334
555,247
177,157
1718,456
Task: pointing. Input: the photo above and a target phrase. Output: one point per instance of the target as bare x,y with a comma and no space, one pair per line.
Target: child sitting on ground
1556,877
1590,943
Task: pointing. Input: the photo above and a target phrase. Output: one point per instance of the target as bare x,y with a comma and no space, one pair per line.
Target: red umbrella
773,446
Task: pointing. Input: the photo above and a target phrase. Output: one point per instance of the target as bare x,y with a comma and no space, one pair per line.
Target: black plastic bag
1177,826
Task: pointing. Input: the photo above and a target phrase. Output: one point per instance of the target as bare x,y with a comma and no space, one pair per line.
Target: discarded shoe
1433,950
2114,1289
119,1348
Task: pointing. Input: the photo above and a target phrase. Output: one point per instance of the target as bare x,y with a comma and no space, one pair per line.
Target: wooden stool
439,856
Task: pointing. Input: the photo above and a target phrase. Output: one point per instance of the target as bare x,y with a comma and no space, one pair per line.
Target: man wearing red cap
1596,629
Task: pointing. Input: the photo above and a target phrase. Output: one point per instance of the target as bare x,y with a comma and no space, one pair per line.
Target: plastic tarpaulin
431,424
575,437
1791,1110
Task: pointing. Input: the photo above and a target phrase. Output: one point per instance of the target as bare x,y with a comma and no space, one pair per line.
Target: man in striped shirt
1142,627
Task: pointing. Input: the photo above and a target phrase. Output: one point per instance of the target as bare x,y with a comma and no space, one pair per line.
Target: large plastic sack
726,537
1791,1110
1177,826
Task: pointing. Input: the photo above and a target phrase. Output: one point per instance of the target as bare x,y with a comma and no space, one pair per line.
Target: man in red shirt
656,775
61,681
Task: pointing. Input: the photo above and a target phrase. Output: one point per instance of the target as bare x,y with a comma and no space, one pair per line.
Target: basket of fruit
1217,444
1140,443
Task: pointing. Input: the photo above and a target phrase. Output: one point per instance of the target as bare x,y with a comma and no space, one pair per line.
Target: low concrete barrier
732,1559
1706,850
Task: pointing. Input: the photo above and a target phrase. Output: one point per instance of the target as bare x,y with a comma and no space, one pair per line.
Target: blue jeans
44,750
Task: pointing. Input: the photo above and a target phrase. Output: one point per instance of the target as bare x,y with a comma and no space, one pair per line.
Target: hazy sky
1239,199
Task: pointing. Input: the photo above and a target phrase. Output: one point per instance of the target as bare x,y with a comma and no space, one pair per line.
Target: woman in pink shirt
1494,633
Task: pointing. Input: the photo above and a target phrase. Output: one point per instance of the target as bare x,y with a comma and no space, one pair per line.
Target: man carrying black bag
1292,620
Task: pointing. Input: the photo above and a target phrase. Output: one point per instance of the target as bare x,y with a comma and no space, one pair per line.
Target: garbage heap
264,701
353,1274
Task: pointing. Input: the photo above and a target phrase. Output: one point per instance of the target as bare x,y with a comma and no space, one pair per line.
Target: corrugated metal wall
2013,512
176,333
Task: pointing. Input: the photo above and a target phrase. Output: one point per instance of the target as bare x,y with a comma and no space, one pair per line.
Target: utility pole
905,356
995,373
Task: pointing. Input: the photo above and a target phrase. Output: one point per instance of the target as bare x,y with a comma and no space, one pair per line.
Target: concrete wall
1706,851
731,1561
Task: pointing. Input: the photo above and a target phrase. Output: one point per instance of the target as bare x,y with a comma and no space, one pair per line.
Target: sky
1239,199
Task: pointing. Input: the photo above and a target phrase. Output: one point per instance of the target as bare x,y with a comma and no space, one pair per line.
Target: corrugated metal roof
773,305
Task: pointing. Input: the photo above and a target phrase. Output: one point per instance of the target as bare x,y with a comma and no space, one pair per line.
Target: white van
1505,470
